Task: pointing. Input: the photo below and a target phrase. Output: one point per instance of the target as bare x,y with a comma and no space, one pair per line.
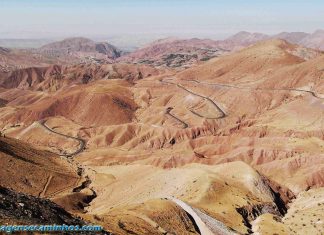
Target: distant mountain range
314,40
169,52
68,51
172,52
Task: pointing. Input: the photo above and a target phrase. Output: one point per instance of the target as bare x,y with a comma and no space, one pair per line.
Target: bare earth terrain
230,143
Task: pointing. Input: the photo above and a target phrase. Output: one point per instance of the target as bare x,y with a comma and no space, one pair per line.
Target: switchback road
213,103
318,96
81,141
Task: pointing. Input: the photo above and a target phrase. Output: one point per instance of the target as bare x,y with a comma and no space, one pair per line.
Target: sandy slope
32,171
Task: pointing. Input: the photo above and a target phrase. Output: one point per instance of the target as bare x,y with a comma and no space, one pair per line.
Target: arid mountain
12,59
181,54
252,63
170,52
54,77
243,39
73,103
81,47
260,75
314,40
293,37
70,51
233,145
175,53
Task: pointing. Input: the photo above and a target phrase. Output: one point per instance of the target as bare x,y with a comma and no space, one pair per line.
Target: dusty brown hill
256,61
39,173
158,216
89,104
55,77
288,88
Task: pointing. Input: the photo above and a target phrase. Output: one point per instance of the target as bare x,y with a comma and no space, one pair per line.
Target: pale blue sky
186,18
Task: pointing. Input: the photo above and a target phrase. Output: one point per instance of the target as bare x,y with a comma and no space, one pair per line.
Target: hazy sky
199,18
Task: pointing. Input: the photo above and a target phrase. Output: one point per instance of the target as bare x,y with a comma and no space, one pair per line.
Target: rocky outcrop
251,212
19,208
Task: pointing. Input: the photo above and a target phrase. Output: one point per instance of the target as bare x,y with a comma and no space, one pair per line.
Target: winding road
84,184
219,109
82,142
168,112
260,89
207,225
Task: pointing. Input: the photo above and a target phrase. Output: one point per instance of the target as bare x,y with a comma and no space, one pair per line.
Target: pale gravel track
207,225
48,181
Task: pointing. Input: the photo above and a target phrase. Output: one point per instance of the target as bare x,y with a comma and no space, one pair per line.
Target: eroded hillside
233,145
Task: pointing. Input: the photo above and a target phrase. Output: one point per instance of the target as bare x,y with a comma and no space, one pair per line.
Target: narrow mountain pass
213,103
